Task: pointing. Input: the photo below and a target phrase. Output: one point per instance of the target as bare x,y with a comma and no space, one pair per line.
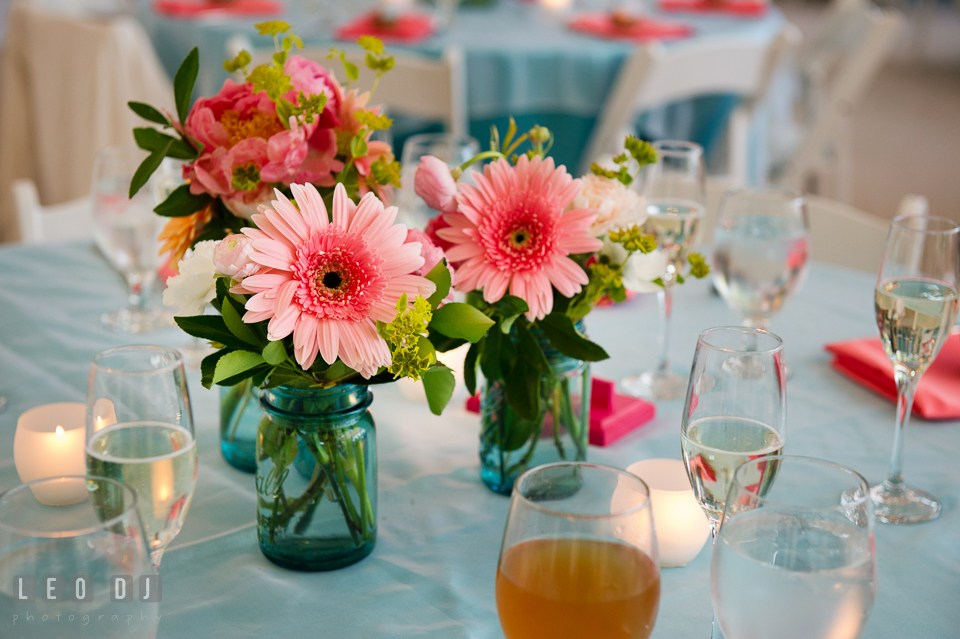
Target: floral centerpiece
535,250
317,296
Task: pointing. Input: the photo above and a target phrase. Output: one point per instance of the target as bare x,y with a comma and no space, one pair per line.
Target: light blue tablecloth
432,572
518,62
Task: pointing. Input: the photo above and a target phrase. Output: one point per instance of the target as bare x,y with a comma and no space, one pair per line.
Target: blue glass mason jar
510,444
240,415
317,477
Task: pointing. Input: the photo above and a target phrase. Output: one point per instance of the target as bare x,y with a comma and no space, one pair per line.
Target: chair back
844,236
46,224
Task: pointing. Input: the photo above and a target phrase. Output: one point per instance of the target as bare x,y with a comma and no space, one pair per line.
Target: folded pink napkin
198,8
938,395
603,25
744,8
408,28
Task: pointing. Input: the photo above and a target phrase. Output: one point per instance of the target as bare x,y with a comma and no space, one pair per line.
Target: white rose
618,206
642,268
195,285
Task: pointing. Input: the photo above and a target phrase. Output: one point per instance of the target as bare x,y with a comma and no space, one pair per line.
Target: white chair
39,224
837,67
418,85
653,76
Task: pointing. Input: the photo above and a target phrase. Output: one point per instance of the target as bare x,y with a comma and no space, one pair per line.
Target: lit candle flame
59,430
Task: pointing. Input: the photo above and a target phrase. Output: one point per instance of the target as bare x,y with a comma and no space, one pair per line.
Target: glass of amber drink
579,558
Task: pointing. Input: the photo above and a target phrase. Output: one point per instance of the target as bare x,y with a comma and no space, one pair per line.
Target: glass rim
560,513
177,361
701,339
79,532
789,194
864,484
680,147
442,135
952,226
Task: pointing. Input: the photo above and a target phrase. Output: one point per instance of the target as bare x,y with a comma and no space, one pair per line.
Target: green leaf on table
181,202
470,368
438,384
209,327
510,307
523,389
147,167
236,363
460,320
564,337
275,353
149,139
209,365
440,276
148,113
531,351
234,321
183,83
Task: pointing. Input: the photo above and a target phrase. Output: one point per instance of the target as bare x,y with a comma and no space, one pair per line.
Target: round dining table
432,571
520,61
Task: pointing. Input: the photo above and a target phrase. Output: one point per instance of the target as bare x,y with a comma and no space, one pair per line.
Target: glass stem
139,284
665,298
906,389
714,530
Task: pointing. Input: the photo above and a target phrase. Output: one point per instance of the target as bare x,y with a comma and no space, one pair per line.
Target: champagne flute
761,246
579,558
87,531
140,431
916,306
735,411
126,232
675,189
795,560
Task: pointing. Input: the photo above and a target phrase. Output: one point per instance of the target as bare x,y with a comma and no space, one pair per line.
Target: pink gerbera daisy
329,282
511,231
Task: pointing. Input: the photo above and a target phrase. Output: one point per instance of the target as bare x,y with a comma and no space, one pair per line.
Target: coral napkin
938,395
744,8
409,27
193,8
602,25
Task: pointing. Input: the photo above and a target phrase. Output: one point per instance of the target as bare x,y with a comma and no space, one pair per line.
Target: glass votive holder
49,442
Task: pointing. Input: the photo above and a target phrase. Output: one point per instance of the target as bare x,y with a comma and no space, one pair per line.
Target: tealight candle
681,526
49,442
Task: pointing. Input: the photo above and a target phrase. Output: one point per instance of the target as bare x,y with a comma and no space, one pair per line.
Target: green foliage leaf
181,202
234,321
523,389
438,383
209,327
274,353
353,73
460,320
150,139
440,276
564,337
290,41
510,307
530,350
372,44
470,368
270,79
337,370
358,146
148,113
272,27
209,365
242,60
147,167
234,364
183,83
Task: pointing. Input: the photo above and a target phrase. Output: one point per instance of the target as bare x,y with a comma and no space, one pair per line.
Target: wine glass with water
675,190
916,307
795,560
735,411
578,559
760,251
140,431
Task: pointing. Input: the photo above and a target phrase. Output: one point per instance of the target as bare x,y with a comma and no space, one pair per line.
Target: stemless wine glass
798,561
760,251
140,431
126,232
454,150
579,557
675,190
916,307
86,545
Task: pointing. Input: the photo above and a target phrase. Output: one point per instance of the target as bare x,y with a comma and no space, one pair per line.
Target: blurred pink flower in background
434,183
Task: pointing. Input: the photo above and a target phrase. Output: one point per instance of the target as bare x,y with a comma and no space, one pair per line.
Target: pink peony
512,232
331,281
232,257
313,79
434,183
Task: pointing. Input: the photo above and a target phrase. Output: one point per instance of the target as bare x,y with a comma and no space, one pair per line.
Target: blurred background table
519,62
432,572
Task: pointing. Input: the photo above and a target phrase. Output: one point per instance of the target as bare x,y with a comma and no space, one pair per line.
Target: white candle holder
50,442
681,526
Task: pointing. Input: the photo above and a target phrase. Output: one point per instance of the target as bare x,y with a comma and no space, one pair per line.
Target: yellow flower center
256,124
